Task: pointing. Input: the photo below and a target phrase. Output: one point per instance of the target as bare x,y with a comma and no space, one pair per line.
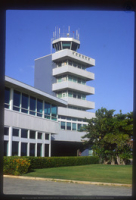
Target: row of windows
24,149
71,118
70,126
30,105
71,78
24,133
71,63
72,94
76,108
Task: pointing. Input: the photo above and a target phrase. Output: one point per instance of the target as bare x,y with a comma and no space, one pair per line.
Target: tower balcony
79,102
73,86
75,113
72,55
67,69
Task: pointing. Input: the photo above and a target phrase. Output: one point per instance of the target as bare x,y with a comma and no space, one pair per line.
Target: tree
110,135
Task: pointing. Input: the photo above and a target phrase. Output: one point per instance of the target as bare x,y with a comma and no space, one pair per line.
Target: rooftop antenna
69,29
55,32
59,32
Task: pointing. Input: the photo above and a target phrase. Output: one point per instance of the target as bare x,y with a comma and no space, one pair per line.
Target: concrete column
50,145
36,149
11,99
28,149
10,142
19,149
43,150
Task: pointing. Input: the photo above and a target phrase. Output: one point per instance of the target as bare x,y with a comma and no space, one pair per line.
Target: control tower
65,74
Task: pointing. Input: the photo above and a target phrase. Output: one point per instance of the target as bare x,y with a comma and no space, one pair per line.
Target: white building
64,74
30,120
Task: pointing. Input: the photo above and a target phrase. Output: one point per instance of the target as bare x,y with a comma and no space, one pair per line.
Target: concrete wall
70,136
21,120
43,78
75,113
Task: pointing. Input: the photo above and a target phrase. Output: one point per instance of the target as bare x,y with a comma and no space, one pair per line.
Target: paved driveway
40,187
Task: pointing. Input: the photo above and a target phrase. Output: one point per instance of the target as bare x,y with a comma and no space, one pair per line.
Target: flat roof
33,91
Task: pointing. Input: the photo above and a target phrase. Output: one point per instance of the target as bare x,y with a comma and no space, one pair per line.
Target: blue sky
106,36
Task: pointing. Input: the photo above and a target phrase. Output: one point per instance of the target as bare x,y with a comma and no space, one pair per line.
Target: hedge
48,162
15,165
20,165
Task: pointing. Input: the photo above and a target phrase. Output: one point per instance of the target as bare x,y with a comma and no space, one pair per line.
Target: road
42,187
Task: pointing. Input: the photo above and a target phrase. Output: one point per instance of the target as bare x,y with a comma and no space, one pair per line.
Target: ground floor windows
46,136
32,134
5,148
23,142
24,133
6,131
32,149
15,148
15,132
46,150
39,149
39,135
24,149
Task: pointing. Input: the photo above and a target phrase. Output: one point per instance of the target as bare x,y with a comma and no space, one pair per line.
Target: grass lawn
93,172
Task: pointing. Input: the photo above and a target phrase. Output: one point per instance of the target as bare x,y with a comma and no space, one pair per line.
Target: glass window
70,94
54,112
39,135
23,149
79,96
83,82
39,149
46,136
7,97
32,105
79,80
70,78
69,118
16,100
59,79
24,133
59,95
46,150
5,148
74,95
32,149
25,100
74,119
74,79
66,45
79,126
68,126
63,125
32,134
15,132
39,107
6,130
73,126
14,148
47,110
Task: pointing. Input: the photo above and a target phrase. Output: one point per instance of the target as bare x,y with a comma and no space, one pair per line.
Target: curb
68,181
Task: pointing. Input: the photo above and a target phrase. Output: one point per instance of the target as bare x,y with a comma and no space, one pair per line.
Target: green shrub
15,165
48,162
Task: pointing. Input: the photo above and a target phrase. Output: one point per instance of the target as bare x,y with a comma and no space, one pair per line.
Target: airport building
45,120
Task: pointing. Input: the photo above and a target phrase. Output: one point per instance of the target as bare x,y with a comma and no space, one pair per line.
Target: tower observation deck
67,40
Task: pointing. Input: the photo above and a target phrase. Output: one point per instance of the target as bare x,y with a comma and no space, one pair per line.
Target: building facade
64,74
30,120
